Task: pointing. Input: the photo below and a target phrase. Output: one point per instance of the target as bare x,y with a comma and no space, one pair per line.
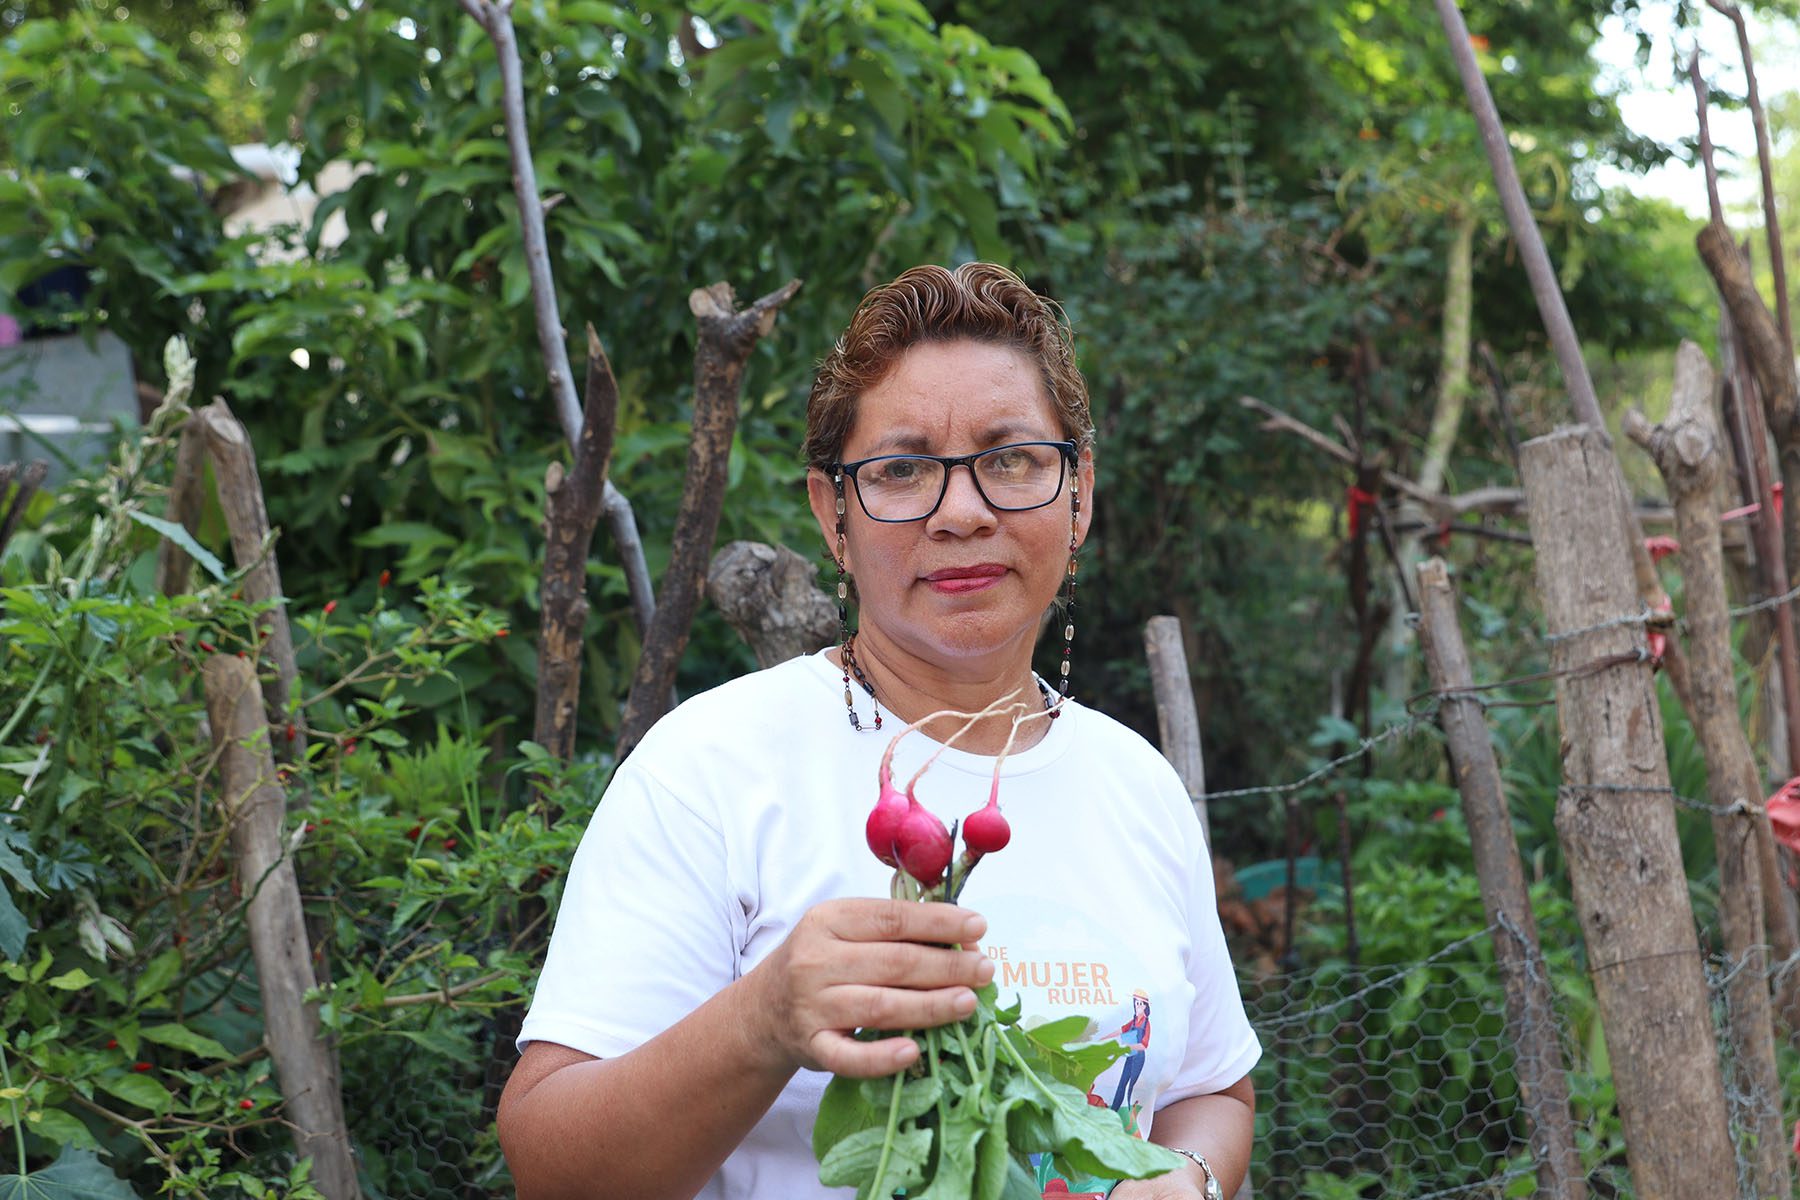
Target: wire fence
1396,1080
1400,1082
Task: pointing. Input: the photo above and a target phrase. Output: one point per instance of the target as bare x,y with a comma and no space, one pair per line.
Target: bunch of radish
985,1094
907,836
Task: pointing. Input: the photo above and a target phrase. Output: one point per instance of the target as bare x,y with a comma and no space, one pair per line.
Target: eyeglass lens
905,488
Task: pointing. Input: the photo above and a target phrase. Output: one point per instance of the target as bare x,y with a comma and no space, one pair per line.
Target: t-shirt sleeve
1221,1045
648,927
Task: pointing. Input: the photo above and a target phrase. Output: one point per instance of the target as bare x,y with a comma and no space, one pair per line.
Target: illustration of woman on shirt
1134,1034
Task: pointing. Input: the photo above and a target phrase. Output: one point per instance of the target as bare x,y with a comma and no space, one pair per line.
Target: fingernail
984,970
965,1004
975,926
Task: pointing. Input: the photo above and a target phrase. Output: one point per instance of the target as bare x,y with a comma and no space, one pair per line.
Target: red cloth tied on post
1357,500
1661,546
1784,813
1659,639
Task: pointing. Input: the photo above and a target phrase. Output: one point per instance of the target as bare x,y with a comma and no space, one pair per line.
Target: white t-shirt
745,807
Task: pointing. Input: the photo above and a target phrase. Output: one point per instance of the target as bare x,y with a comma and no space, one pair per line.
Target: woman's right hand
865,964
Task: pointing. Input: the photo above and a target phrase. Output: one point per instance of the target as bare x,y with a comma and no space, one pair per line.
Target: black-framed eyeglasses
1017,477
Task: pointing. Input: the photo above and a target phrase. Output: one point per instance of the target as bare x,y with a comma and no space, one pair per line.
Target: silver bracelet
1212,1190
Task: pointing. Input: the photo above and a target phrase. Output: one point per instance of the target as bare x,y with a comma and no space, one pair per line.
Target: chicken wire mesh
1402,1083
1392,1081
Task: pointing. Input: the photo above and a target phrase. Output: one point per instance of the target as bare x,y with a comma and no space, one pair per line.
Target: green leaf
1077,1066
62,1128
852,1161
71,980
843,1110
140,1090
14,928
77,1174
180,1037
957,1138
157,974
181,537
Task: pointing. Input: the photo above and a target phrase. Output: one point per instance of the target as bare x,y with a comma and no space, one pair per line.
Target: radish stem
887,1141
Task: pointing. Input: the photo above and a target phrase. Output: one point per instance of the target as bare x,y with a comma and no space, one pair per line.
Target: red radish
923,845
892,806
985,830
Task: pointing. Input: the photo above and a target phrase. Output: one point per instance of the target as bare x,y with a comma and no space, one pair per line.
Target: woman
720,938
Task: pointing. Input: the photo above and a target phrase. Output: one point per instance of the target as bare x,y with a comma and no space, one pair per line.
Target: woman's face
954,398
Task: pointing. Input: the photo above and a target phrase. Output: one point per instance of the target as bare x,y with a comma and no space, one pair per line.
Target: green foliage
108,146
984,1098
131,1020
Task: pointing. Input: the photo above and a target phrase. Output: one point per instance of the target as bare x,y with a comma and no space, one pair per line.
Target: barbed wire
1366,746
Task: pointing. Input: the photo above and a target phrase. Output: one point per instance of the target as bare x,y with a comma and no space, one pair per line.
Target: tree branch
1544,288
1706,146
1764,160
495,17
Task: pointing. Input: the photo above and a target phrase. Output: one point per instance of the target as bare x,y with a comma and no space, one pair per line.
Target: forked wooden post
1616,821
1177,721
1530,1011
253,805
1686,450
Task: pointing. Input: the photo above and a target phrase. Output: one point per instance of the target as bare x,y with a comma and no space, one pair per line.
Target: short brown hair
980,302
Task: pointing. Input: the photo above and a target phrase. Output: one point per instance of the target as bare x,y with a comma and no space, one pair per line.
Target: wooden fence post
1617,825
247,516
276,924
1178,729
1177,720
1685,448
1530,1012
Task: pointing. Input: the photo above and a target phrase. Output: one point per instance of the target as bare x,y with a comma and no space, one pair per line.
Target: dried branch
495,17
572,509
1544,288
172,562
1707,162
727,337
1764,160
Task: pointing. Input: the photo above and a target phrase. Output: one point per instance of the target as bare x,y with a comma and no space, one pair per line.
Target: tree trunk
275,921
572,504
1617,826
1686,450
770,595
1530,1008
727,336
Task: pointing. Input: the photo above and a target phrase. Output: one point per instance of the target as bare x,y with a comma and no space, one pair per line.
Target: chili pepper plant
985,1093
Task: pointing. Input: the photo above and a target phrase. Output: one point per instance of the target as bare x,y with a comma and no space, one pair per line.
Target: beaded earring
1062,683
847,636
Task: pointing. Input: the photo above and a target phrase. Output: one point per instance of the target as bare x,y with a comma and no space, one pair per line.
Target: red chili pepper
140,1066
502,633
246,1104
449,843
310,827
207,646
387,577
112,1043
